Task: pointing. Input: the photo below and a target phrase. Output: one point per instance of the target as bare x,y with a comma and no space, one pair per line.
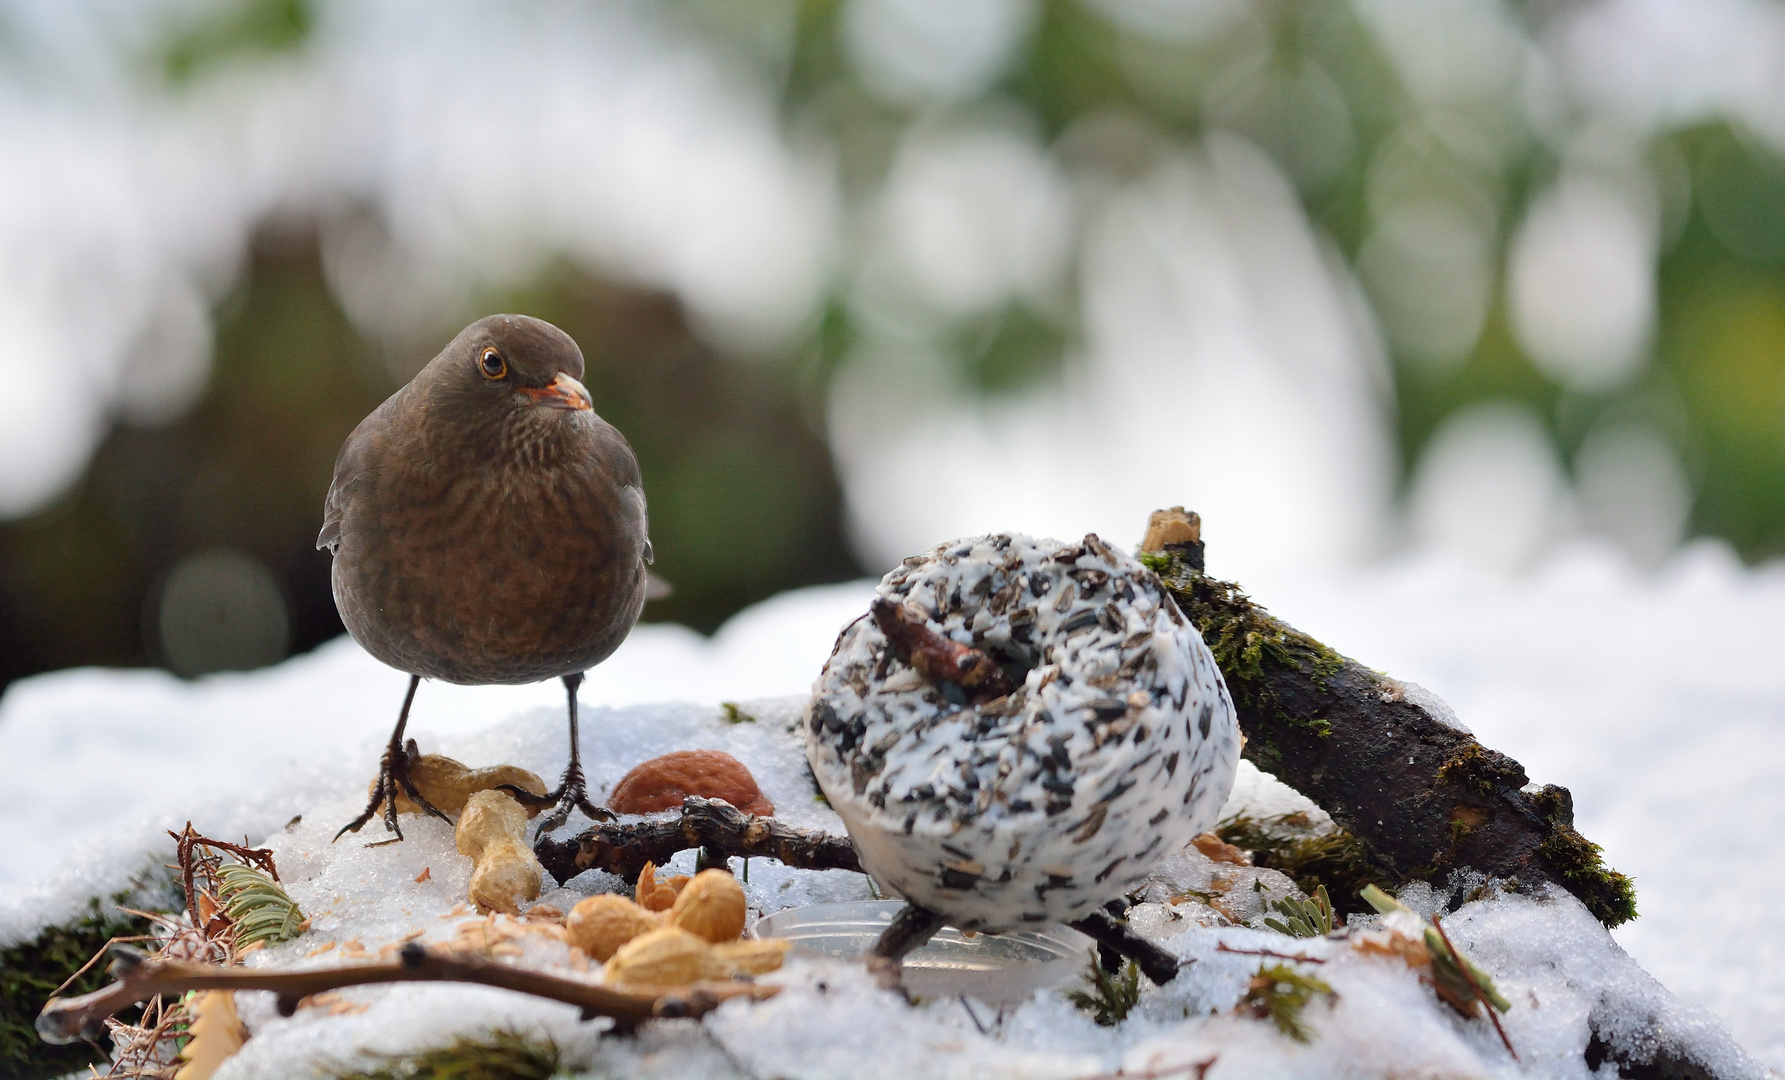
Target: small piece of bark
140,978
936,656
1421,797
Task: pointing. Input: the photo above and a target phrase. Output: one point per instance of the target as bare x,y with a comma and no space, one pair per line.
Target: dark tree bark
1421,797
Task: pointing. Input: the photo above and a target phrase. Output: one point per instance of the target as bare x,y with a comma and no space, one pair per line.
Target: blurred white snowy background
1455,320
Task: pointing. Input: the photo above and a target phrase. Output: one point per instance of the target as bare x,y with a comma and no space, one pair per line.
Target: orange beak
564,392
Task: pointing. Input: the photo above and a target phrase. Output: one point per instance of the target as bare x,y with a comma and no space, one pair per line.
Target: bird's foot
393,775
572,794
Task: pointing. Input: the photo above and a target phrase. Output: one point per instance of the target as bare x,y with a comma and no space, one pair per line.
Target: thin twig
186,840
94,959
968,1005
1223,947
1480,994
140,978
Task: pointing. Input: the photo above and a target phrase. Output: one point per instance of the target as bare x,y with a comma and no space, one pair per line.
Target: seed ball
1116,747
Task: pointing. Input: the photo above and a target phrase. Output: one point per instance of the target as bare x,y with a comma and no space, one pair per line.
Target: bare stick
1159,966
140,978
911,928
1421,797
713,825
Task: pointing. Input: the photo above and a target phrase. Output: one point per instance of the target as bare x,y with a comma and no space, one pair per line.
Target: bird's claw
393,773
572,794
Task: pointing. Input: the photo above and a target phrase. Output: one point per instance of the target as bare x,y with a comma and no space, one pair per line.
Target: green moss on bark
1248,644
1419,797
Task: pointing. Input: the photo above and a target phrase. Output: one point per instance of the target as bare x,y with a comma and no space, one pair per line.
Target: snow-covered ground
1654,698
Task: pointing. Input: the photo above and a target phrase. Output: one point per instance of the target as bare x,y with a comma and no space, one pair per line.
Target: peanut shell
599,925
712,905
492,829
667,956
755,957
448,783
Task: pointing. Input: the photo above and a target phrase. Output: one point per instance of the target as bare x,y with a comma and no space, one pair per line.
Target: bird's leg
911,928
393,772
572,793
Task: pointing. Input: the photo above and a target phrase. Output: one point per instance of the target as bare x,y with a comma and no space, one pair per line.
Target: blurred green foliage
743,495
1715,383
245,30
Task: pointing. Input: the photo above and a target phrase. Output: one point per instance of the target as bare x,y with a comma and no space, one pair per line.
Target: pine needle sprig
258,908
1308,918
1112,994
1281,994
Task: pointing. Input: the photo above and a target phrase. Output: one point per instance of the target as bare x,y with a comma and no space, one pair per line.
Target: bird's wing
633,498
621,464
353,465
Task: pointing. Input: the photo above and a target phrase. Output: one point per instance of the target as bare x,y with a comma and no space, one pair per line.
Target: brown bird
488,527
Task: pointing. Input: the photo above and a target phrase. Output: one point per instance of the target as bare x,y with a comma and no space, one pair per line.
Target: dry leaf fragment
1219,850
425,875
217,1033
1394,945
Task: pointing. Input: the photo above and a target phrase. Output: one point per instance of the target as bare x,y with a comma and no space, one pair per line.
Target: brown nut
755,957
492,830
663,782
712,905
447,783
599,925
668,956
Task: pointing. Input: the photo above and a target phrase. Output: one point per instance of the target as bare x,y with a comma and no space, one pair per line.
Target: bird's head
510,372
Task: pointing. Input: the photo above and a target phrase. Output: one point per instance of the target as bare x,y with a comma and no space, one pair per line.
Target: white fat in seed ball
1117,747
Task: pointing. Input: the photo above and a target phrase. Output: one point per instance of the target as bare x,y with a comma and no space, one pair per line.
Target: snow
1651,697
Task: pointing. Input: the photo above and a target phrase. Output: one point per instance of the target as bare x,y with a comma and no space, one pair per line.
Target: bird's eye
492,365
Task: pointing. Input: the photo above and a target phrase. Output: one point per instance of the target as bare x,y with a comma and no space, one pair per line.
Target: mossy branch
1421,797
